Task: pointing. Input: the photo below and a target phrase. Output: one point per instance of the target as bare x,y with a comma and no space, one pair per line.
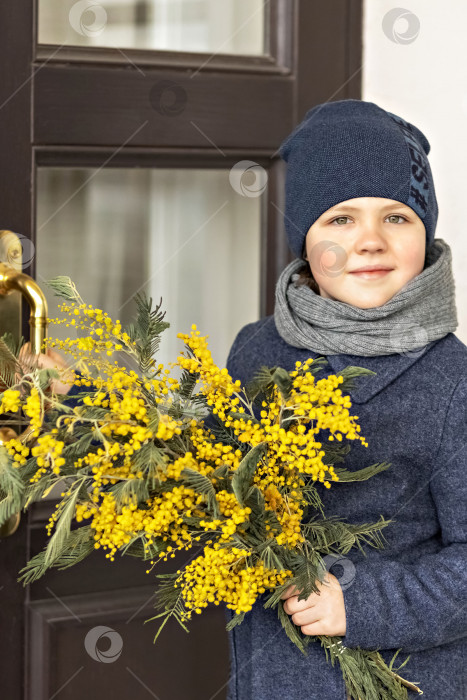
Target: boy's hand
51,360
320,613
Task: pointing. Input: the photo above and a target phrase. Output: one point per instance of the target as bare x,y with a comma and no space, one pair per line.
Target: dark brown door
94,99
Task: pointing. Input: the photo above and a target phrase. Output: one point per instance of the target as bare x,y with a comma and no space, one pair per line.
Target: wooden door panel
64,607
59,664
66,114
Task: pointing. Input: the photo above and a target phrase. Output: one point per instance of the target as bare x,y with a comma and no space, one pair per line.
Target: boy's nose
370,236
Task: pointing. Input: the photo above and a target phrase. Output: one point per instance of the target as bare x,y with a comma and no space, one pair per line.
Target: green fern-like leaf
283,381
79,544
331,535
243,476
170,600
75,547
149,459
9,364
361,474
12,344
237,619
11,487
316,366
350,373
64,287
271,555
290,629
132,491
146,331
80,446
187,383
202,484
65,513
260,383
34,492
139,547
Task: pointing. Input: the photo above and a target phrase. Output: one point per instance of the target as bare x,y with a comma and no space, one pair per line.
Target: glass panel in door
208,26
184,235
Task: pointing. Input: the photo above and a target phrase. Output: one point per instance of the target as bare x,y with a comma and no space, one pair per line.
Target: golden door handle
14,280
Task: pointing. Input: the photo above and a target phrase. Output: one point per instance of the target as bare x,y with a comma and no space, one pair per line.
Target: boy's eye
396,216
391,216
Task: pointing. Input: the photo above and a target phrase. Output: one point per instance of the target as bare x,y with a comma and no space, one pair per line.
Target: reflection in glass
213,26
184,235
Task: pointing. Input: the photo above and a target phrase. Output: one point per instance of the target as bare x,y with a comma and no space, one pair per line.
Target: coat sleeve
391,605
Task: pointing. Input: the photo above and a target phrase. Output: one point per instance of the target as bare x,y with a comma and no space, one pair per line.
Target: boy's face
360,232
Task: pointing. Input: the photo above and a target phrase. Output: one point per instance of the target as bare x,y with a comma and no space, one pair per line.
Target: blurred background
138,142
414,65
183,235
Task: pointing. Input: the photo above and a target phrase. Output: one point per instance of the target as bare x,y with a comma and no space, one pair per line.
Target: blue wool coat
413,593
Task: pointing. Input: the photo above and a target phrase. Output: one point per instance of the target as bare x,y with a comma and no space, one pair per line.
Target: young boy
360,194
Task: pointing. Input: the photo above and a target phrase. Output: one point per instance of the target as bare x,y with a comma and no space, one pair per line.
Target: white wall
419,72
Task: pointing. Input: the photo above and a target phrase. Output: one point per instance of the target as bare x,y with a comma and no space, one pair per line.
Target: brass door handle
11,280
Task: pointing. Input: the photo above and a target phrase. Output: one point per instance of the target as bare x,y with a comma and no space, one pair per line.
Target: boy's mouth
371,274
375,266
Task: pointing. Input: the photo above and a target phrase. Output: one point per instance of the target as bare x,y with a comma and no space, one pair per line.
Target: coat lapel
387,368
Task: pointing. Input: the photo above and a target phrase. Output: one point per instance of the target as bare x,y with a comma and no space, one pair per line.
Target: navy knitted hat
352,148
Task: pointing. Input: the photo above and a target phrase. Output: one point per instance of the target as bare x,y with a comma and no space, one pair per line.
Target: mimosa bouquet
151,464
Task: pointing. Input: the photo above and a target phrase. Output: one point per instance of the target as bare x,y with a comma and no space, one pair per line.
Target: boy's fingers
29,360
55,355
291,590
57,358
25,353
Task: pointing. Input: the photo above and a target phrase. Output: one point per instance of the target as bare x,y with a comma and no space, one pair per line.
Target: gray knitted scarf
422,311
